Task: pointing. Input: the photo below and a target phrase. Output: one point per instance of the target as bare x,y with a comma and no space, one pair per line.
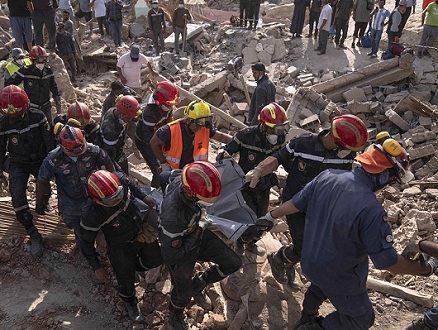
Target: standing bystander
324,24
395,28
44,15
361,17
114,15
263,94
296,26
179,22
378,17
157,25
20,12
66,50
85,12
315,10
342,16
430,28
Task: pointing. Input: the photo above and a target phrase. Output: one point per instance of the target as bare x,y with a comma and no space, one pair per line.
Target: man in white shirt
129,68
325,20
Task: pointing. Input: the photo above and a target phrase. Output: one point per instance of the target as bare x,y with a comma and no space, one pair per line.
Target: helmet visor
279,129
75,151
114,199
175,101
205,121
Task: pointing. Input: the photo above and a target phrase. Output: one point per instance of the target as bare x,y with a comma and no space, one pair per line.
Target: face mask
40,66
20,61
181,5
155,5
166,108
342,153
75,159
272,138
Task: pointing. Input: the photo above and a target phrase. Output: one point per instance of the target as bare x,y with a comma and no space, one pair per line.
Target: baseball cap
17,52
135,51
403,3
258,67
154,1
374,161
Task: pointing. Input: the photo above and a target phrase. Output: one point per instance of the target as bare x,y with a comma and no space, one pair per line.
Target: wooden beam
400,292
218,112
228,102
245,89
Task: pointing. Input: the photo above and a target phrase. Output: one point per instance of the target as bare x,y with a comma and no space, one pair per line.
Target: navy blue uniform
38,84
91,130
348,225
113,133
28,139
304,157
181,248
263,94
253,148
120,224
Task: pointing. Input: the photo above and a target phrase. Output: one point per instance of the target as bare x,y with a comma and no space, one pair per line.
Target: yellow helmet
197,109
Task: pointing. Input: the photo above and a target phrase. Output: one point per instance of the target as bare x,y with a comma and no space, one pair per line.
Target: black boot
291,278
305,320
178,319
278,267
199,295
133,311
36,241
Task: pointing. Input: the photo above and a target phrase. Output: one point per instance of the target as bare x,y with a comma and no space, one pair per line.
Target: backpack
370,4
386,55
396,48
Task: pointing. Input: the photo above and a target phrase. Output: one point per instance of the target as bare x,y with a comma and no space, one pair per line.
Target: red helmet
13,101
72,141
350,132
166,93
104,188
127,105
202,180
274,116
80,112
36,52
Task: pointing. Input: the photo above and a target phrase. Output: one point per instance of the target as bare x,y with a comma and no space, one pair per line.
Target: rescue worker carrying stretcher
185,238
186,140
254,144
304,157
127,218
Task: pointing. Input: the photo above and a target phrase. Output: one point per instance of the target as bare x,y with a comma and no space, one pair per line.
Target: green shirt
432,14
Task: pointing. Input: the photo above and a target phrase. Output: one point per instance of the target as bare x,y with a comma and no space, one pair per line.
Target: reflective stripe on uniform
24,130
319,158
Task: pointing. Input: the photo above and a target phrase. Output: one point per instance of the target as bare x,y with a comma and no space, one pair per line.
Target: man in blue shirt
345,224
66,50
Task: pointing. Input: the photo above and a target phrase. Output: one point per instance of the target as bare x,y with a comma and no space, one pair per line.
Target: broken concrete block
305,113
395,97
375,107
397,120
429,78
293,71
408,116
327,76
305,76
310,122
430,135
259,47
265,58
423,219
425,121
358,107
308,83
249,55
418,137
354,94
372,132
388,89
270,49
379,96
367,89
240,108
279,50
424,151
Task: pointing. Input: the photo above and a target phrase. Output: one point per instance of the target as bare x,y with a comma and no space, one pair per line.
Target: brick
408,115
397,120
367,89
305,113
372,132
418,137
425,121
375,107
379,96
358,107
240,108
354,94
421,152
310,122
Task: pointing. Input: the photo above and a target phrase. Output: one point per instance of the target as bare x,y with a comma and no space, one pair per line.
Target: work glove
3,182
431,261
411,250
266,222
396,39
165,167
253,176
40,209
205,221
222,154
147,235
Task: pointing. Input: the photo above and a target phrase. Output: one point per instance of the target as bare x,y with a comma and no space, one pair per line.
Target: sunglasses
280,129
205,121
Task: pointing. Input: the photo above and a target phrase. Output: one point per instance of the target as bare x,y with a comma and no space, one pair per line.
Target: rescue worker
304,157
25,134
346,224
186,140
158,112
185,238
131,240
117,88
18,61
39,82
81,114
254,144
113,129
70,164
